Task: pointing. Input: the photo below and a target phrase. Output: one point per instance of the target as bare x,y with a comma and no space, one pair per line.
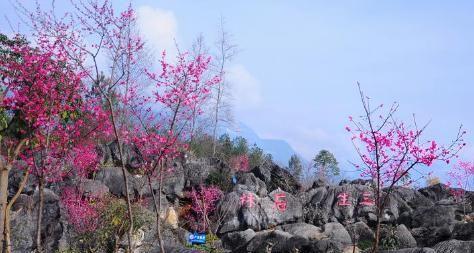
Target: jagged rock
463,231
276,177
322,204
454,246
24,218
112,177
269,241
433,216
337,232
261,214
319,183
404,237
249,182
196,171
237,240
359,231
410,250
436,192
93,188
429,236
110,156
15,176
303,230
321,246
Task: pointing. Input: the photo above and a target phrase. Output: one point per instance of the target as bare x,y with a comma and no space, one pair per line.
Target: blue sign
197,238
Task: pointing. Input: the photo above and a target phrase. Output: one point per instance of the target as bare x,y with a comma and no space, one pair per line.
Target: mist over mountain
280,150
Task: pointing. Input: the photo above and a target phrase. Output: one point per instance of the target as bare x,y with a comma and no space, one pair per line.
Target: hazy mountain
280,150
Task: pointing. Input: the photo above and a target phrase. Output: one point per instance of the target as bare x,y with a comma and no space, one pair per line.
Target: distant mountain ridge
280,150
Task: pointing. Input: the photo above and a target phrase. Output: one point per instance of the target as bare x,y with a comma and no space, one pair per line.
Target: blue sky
295,77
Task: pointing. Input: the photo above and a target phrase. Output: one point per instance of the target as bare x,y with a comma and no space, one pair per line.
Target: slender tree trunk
158,222
3,202
39,248
125,179
216,120
375,248
157,212
8,244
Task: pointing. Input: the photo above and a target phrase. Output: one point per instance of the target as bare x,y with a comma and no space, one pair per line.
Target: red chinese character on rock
343,199
366,199
247,198
280,201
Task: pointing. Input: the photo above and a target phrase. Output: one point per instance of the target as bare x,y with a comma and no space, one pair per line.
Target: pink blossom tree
95,32
179,91
390,150
204,201
43,99
461,176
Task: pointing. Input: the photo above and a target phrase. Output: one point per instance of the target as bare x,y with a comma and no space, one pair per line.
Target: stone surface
454,246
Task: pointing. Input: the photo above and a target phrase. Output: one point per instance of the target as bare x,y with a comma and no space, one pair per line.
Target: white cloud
246,89
159,28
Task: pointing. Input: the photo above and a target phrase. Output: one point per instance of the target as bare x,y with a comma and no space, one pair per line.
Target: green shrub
221,179
113,226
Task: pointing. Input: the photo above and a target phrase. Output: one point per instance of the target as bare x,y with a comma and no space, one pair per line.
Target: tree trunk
3,202
8,244
375,248
39,248
125,179
157,212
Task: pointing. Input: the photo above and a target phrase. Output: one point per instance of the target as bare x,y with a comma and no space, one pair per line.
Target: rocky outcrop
276,177
258,213
454,246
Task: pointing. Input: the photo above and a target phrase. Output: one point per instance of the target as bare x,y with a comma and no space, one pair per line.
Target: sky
296,72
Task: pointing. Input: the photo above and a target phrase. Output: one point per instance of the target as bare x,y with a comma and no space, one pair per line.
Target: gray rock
24,218
237,240
410,250
270,241
261,214
249,182
336,231
429,236
112,177
94,188
404,237
454,246
276,177
463,231
359,232
303,230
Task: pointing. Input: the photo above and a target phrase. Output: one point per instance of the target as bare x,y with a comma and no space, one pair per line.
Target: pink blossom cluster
461,176
240,163
204,203
82,212
182,86
389,153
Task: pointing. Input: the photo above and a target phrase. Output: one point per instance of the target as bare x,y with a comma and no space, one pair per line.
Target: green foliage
221,179
295,166
225,146
326,164
201,145
390,241
114,225
240,146
365,244
256,156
